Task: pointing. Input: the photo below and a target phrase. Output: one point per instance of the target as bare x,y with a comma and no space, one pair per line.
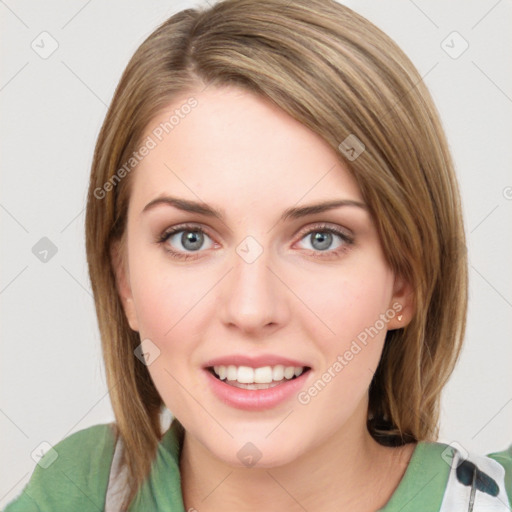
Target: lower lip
256,399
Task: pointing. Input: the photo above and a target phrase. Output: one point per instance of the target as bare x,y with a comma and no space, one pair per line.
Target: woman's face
308,289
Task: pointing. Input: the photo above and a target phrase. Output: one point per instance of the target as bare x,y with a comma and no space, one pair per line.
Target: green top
78,478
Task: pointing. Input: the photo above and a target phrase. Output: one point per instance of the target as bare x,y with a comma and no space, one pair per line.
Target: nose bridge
252,296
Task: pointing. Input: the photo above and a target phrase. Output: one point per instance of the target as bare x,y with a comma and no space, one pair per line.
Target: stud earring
399,318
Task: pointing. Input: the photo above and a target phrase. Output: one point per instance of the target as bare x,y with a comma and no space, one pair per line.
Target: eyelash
321,228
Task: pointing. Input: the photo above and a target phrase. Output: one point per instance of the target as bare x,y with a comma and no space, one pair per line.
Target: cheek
344,303
348,330
164,296
169,305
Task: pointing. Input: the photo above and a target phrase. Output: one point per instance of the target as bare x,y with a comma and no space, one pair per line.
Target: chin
263,454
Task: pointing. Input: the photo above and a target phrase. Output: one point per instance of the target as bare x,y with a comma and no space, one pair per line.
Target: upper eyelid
325,226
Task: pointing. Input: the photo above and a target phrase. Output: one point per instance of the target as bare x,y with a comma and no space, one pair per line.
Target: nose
253,298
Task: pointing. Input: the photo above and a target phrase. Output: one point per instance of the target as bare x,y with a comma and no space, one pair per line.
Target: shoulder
444,477
71,475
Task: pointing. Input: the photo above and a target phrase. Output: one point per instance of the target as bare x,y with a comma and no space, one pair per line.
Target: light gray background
52,378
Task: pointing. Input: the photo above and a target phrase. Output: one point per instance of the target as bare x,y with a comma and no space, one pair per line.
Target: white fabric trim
459,497
117,481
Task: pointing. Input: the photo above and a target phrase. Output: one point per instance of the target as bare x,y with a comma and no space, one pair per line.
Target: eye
191,238
321,238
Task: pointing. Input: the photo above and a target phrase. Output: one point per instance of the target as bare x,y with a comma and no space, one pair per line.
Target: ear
121,271
402,303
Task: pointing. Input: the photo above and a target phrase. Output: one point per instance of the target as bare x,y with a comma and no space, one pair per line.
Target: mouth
246,377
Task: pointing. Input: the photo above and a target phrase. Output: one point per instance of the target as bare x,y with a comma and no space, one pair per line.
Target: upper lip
254,362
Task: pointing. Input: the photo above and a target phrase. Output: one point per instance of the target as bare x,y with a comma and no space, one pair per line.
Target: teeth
221,372
232,372
278,372
262,375
289,372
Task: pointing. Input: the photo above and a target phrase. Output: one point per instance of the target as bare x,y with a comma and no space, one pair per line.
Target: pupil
192,240
324,238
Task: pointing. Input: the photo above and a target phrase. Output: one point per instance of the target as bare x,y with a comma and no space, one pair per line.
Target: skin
242,155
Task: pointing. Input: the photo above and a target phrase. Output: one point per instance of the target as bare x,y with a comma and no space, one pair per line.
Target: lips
255,397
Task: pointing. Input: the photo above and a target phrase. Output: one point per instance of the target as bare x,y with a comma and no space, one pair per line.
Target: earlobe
402,303
121,272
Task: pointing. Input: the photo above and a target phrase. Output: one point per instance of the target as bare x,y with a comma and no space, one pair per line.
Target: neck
348,471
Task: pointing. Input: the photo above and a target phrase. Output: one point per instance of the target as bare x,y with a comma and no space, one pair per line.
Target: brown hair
338,74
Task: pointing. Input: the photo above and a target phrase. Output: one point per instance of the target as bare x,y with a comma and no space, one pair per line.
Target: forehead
236,148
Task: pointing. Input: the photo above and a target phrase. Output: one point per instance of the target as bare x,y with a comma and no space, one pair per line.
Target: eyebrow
290,213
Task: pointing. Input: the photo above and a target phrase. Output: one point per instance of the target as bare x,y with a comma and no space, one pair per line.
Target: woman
277,254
